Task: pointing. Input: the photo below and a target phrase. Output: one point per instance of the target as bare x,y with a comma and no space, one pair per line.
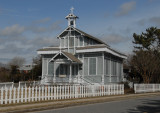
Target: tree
37,69
146,64
14,64
4,74
148,41
17,61
146,58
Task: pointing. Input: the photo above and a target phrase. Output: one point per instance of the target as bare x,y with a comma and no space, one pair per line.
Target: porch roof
69,56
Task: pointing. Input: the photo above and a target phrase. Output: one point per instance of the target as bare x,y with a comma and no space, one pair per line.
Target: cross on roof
72,8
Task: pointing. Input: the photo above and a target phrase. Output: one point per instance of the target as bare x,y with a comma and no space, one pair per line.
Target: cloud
23,41
114,39
42,21
153,20
13,30
126,8
37,28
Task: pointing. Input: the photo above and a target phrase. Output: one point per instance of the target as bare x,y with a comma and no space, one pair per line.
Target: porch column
70,76
103,68
54,72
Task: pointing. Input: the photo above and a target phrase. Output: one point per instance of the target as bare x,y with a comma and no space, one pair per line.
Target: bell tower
71,18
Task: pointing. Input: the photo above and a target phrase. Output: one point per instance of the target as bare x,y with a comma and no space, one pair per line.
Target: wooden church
80,59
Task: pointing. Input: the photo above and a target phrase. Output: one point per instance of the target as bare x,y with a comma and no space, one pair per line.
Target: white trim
88,65
110,69
47,65
74,51
62,32
83,39
78,41
103,68
42,67
58,54
54,56
101,49
68,39
96,65
83,65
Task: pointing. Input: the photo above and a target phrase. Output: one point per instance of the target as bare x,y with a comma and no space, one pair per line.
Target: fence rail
31,94
6,84
143,88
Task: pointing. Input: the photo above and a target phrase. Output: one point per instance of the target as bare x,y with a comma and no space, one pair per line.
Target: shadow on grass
148,106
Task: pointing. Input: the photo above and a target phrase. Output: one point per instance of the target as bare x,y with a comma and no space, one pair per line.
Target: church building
80,59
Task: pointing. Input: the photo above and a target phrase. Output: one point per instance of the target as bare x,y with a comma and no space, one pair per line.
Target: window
66,42
50,68
99,65
71,41
80,41
106,67
92,66
76,41
85,66
45,62
62,42
113,68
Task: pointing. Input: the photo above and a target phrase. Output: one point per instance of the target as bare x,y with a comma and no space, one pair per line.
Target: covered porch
63,69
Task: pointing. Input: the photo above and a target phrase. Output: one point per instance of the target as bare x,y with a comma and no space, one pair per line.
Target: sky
28,25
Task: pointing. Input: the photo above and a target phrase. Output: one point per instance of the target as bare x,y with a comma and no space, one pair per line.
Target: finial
72,8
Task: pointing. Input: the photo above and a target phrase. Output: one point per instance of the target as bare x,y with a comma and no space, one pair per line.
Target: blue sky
27,25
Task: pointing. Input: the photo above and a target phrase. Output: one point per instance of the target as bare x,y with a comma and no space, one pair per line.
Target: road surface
139,105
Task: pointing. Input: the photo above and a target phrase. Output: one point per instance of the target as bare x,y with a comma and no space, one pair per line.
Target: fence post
10,95
2,95
14,95
32,93
57,92
39,96
51,92
36,94
6,94
18,90
60,88
29,96
22,94
25,94
135,88
54,92
45,93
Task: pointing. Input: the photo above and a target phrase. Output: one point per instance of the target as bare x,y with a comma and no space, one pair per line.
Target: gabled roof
84,34
72,57
90,36
69,56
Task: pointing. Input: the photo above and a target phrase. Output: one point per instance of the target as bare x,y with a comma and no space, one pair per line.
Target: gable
71,31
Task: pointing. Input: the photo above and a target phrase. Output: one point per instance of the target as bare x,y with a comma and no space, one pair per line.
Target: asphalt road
139,105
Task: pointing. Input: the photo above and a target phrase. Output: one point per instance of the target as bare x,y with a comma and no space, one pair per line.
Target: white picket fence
143,88
32,94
